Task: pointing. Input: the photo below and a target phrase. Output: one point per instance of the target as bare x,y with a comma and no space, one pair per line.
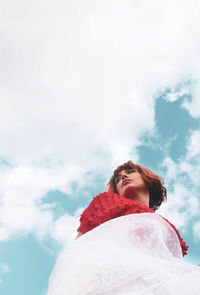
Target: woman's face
129,183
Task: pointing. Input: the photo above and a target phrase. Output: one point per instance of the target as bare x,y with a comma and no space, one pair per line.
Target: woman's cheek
119,189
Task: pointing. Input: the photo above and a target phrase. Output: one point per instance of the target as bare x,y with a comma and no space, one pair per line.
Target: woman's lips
125,182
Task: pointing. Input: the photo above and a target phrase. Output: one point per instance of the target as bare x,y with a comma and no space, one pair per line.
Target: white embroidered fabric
136,254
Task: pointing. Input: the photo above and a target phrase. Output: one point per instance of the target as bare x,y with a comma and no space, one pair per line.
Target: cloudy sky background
85,86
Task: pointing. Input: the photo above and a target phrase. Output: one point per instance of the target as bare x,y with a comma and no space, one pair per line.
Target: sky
86,86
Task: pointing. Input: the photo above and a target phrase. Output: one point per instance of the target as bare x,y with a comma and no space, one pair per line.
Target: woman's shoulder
98,211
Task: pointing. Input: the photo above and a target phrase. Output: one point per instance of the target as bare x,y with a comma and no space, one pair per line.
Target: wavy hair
157,192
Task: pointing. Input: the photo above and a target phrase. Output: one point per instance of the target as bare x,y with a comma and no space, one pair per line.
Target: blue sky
85,87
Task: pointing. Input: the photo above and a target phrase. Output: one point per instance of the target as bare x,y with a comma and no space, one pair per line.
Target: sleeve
102,208
182,243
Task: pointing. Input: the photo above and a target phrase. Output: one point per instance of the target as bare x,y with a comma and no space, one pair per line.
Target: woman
124,247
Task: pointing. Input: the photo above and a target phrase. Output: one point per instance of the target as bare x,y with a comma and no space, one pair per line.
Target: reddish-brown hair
157,192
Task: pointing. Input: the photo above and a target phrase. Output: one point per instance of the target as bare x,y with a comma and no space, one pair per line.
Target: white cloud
183,90
78,84
22,190
196,231
171,169
178,209
4,268
88,76
193,146
182,179
65,228
193,105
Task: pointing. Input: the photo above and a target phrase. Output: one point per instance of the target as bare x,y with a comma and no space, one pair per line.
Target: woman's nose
123,175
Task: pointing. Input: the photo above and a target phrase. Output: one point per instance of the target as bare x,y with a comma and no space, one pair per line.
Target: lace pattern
136,254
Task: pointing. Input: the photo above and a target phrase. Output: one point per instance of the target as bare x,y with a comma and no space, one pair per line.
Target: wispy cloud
22,190
182,178
194,145
4,268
